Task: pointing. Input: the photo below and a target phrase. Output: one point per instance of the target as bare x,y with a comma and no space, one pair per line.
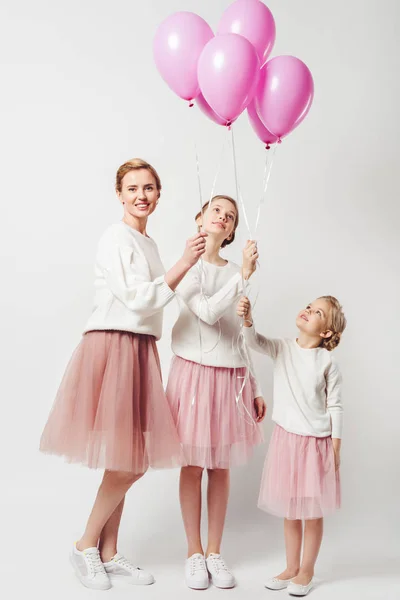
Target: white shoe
89,569
196,575
295,589
277,584
120,569
219,572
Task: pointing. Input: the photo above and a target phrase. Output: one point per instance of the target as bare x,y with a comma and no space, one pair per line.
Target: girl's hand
250,257
261,408
195,247
244,310
336,449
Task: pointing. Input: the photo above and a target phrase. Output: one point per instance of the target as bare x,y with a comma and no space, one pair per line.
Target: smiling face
219,219
139,194
315,319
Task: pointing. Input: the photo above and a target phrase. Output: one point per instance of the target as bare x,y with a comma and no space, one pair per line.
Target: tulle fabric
217,430
299,480
111,411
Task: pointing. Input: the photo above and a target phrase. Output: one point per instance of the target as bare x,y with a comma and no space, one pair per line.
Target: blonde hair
222,197
337,323
135,164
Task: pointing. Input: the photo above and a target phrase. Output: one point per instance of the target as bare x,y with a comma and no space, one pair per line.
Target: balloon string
238,195
267,174
200,266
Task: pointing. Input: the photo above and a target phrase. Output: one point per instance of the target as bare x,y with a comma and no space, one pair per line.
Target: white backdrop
80,95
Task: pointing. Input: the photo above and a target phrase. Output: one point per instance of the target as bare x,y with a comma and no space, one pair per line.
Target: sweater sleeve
261,344
128,277
334,399
209,308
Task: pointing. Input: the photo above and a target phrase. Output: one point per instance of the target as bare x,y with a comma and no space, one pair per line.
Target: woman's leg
109,535
217,498
293,529
111,494
313,531
190,498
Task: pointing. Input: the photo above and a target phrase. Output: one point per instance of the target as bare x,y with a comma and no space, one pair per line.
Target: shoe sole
85,583
197,587
121,580
222,586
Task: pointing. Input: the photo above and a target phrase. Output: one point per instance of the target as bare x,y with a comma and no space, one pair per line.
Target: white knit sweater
207,330
130,290
307,386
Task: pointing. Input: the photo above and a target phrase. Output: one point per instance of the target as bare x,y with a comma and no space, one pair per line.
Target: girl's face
219,219
315,318
139,193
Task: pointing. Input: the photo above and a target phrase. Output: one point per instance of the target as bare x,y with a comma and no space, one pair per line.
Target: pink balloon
254,21
265,136
228,74
285,94
208,111
177,46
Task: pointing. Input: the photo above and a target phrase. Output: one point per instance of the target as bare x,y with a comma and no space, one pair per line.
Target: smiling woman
111,411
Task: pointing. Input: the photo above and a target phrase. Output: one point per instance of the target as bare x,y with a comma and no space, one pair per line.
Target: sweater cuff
164,288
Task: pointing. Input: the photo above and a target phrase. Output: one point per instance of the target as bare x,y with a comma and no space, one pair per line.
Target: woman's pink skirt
299,480
111,411
216,424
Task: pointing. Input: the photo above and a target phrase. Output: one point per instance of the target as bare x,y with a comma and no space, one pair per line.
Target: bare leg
109,535
111,492
190,498
293,537
217,497
313,532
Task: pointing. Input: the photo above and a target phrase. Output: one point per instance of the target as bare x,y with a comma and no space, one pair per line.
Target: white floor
44,510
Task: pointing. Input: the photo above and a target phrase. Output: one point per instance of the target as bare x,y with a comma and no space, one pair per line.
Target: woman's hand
244,310
195,247
337,443
261,408
250,257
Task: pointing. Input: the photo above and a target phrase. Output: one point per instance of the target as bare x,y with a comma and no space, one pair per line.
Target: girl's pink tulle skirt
299,479
111,411
217,428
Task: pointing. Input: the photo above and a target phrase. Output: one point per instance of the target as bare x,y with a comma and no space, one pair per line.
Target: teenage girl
215,400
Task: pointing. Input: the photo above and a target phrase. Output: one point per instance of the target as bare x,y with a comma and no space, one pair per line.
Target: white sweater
216,313
130,290
307,386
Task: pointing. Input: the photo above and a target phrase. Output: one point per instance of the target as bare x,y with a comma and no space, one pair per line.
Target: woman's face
139,194
219,219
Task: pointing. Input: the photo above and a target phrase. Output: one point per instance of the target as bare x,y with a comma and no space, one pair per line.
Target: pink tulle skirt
216,428
299,479
111,411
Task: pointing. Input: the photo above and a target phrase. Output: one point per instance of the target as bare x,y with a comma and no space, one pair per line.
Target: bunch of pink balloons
229,72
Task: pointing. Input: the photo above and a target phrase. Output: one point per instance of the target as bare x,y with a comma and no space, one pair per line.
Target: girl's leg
293,529
111,492
217,497
190,498
109,535
313,532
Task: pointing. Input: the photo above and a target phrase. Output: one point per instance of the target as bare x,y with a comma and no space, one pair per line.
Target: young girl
301,474
216,404
111,411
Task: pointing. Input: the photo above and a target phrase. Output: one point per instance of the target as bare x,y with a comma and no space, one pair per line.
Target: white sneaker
120,569
295,589
219,572
89,569
196,575
277,584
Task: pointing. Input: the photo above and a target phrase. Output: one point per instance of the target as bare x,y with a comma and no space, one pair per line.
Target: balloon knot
279,141
191,103
229,125
267,147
